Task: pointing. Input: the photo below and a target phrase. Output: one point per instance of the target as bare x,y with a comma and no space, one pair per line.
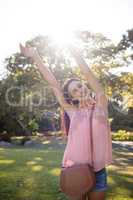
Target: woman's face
78,90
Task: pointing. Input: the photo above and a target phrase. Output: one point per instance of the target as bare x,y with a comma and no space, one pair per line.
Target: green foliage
121,120
126,41
5,137
122,135
33,125
32,94
24,139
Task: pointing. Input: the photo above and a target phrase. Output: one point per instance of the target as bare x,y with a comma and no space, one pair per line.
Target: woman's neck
84,103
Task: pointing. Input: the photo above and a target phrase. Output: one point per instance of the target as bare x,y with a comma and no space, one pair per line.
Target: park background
31,141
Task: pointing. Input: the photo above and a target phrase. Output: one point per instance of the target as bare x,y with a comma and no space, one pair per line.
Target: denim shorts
101,180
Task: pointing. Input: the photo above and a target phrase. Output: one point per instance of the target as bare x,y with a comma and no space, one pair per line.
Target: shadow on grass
120,175
120,185
33,173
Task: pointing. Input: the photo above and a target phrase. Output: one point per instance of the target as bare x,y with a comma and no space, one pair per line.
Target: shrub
5,137
33,125
122,135
24,139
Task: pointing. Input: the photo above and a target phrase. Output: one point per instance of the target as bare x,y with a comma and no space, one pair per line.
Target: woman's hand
74,51
77,54
27,51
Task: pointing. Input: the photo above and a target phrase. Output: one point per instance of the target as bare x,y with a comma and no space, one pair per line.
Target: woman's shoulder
78,111
67,110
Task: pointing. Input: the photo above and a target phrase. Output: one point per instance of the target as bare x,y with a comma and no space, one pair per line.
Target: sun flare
62,38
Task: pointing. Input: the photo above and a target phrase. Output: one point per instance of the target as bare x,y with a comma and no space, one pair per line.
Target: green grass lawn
33,174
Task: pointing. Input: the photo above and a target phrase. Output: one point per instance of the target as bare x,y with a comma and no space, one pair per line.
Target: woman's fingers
27,45
27,51
21,47
74,50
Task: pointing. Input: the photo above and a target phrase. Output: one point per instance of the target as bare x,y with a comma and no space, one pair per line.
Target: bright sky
22,19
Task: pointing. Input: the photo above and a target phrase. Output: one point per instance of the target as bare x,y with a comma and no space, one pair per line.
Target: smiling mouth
84,93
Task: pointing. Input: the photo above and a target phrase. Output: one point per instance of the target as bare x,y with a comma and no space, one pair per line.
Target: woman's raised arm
90,77
46,73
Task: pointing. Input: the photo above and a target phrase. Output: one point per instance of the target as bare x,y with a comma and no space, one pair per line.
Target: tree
27,89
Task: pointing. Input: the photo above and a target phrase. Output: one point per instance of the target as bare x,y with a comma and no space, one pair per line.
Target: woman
77,102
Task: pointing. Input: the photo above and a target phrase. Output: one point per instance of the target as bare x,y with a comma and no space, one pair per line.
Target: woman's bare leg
84,197
96,195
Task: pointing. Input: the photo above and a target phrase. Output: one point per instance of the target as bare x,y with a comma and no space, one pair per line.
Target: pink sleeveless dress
78,148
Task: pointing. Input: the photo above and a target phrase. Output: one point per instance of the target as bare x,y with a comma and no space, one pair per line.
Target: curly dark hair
65,120
69,99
